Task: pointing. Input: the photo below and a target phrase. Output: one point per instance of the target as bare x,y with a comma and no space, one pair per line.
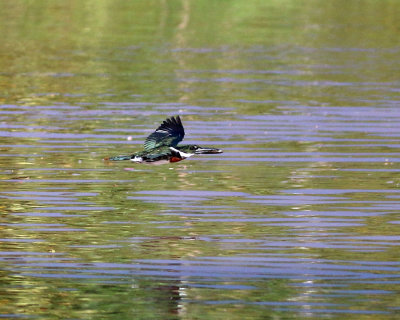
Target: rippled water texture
297,219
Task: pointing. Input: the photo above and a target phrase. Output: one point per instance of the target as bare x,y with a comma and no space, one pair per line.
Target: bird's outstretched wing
169,133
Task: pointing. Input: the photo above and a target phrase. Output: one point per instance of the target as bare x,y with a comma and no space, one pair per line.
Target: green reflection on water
204,53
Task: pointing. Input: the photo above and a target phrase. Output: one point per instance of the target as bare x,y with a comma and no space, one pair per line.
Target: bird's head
196,149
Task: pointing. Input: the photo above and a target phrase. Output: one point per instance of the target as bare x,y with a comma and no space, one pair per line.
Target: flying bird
162,145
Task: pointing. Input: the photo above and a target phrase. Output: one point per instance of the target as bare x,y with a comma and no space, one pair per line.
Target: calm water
297,219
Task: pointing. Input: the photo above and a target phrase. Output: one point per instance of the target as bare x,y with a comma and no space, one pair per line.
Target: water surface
298,218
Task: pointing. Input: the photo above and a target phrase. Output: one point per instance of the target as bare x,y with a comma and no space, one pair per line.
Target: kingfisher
162,145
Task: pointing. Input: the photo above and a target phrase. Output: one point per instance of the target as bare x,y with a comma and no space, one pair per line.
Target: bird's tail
118,158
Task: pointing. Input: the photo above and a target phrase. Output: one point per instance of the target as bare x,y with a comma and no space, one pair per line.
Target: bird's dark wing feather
169,133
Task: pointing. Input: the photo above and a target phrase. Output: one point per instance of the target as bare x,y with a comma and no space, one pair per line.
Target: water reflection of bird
162,145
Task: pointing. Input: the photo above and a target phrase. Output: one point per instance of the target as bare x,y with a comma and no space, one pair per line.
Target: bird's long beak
208,151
